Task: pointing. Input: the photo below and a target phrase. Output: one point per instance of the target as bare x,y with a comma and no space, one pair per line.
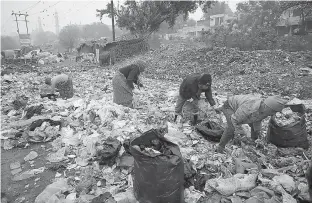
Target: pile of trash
156,147
89,134
286,117
86,57
45,132
261,71
44,57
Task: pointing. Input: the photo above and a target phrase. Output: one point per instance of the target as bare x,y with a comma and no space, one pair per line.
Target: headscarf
204,79
275,102
48,81
141,64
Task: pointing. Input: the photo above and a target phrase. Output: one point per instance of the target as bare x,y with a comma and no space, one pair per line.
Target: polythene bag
157,179
292,135
210,130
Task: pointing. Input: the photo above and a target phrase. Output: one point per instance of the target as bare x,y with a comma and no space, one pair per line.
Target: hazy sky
69,11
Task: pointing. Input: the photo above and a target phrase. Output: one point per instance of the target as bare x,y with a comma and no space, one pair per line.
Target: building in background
291,21
220,19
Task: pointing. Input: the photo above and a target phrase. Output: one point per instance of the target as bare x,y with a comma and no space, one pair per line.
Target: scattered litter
47,194
32,155
286,117
228,186
108,153
15,165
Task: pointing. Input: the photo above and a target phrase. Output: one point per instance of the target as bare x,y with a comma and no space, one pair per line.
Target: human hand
213,103
220,149
135,91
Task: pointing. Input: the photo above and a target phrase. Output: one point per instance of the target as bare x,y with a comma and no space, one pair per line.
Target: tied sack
157,177
290,135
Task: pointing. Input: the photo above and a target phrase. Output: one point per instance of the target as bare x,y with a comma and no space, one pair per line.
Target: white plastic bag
50,191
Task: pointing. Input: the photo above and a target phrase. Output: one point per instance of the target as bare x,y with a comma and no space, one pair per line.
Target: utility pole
20,14
113,23
23,38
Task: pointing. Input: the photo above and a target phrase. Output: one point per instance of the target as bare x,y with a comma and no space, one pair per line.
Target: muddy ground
25,190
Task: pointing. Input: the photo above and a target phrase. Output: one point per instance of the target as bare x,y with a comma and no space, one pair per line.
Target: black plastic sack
210,130
292,135
31,111
157,179
39,122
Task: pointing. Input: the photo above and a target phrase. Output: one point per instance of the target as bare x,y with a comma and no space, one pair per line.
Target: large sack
210,131
291,135
158,177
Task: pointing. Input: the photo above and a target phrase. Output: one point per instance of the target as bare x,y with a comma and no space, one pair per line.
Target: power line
31,7
7,21
45,8
79,9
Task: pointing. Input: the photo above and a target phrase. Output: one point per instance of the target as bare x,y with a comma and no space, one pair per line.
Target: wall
120,50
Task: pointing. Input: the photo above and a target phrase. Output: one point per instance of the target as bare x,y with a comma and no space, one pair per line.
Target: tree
41,38
8,42
217,8
95,31
144,18
165,28
69,36
191,22
259,13
304,8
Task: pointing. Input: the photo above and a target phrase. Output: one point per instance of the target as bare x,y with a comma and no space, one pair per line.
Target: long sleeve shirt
246,111
56,79
132,73
189,89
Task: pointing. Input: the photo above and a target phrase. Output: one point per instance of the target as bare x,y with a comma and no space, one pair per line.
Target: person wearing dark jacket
191,88
123,83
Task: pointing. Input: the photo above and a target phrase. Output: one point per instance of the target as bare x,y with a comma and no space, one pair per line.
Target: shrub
259,38
264,38
295,43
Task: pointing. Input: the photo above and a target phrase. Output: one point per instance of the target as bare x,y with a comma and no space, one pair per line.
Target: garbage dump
92,118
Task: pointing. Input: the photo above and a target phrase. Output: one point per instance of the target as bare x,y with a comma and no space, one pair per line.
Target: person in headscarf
247,109
192,87
63,84
124,80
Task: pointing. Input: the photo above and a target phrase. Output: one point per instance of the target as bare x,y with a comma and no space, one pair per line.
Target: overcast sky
69,11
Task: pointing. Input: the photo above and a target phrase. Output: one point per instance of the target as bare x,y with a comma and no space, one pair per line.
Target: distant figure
63,84
123,83
192,87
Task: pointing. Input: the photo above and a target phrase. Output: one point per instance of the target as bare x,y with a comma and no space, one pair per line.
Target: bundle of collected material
286,117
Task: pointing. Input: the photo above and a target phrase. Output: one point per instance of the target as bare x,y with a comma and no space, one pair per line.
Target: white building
219,19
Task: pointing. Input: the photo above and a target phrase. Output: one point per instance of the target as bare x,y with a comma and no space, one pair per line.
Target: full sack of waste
158,169
289,128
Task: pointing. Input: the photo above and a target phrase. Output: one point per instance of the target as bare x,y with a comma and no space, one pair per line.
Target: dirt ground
25,190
